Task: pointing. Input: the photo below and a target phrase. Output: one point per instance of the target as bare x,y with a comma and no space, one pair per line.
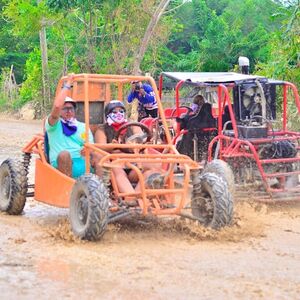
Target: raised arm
148,94
59,101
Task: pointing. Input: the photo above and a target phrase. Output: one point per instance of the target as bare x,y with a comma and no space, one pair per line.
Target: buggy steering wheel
189,110
139,138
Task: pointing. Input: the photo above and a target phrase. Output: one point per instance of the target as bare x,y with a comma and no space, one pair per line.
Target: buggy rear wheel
13,186
222,169
89,207
212,203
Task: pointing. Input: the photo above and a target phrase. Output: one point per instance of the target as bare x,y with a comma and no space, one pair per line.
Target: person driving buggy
199,125
199,116
115,115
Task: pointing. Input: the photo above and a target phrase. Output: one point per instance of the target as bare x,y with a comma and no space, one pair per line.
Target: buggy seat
197,132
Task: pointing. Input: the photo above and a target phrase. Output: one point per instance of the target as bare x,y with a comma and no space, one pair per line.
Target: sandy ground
257,258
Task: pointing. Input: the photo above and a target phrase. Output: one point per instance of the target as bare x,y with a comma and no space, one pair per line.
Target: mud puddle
258,257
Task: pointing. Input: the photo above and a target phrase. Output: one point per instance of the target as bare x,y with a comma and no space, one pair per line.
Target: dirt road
257,258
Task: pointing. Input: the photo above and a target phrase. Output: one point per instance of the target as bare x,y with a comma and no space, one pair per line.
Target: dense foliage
103,36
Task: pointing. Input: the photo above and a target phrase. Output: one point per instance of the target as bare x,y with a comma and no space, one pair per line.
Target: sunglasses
68,109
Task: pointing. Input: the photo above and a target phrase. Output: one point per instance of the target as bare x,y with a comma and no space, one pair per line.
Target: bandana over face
69,126
194,107
116,119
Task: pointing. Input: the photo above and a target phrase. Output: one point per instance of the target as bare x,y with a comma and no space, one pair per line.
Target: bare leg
122,180
157,167
64,163
94,162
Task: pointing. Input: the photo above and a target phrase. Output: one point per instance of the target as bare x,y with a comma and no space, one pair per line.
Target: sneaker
155,181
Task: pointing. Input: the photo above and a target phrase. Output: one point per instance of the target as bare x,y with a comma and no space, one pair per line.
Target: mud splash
249,221
62,231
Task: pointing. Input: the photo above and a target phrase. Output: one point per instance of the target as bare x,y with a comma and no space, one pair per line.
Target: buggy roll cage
223,81
85,91
233,146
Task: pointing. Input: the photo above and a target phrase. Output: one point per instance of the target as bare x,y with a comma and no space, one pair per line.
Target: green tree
105,36
14,50
284,60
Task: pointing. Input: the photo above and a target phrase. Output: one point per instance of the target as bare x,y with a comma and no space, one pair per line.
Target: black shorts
151,112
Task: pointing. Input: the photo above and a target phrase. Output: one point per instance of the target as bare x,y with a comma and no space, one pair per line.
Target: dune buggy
94,202
251,132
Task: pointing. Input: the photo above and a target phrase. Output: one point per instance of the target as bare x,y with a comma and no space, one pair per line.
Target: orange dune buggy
93,201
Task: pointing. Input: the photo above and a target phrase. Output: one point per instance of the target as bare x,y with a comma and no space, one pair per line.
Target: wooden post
45,69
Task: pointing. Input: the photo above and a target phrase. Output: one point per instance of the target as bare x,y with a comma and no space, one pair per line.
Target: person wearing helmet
66,135
115,116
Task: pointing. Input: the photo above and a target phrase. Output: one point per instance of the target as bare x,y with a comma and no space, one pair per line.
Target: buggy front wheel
211,201
222,169
89,207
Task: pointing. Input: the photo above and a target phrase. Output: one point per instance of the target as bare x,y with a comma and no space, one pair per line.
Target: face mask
69,126
194,107
116,117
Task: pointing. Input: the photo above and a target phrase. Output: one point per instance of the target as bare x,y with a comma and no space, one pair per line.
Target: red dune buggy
251,132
